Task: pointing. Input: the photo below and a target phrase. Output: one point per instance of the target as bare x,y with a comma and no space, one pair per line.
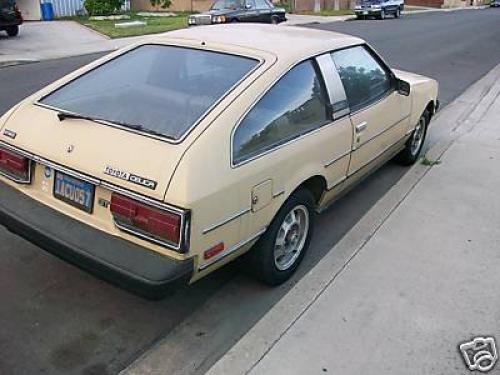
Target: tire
382,14
410,154
398,13
273,266
359,17
275,20
12,30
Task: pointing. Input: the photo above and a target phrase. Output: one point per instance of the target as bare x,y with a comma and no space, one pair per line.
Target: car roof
285,42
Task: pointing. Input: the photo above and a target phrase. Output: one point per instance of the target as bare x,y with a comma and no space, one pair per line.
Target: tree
164,4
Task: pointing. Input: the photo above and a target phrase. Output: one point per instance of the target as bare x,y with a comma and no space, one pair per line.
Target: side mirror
248,6
402,87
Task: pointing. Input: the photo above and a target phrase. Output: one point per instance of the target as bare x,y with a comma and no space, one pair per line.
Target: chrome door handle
361,126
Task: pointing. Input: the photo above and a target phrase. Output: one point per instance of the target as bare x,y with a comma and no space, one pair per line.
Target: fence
66,8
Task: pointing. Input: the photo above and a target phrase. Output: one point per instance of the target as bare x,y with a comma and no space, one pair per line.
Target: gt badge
10,133
127,176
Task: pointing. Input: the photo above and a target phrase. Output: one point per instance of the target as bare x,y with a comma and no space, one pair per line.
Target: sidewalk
421,272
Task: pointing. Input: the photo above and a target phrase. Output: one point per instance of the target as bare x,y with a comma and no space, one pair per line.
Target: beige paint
198,174
30,9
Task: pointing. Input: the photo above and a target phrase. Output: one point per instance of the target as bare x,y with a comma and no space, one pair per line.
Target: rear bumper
113,259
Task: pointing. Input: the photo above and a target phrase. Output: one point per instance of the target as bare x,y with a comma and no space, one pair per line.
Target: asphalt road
56,319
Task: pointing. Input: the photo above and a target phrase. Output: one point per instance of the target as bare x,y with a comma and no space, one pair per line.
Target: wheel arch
316,184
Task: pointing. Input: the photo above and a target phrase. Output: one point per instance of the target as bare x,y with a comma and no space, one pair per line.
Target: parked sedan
168,159
226,11
10,17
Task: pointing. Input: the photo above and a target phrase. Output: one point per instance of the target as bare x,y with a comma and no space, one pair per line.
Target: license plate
75,192
365,12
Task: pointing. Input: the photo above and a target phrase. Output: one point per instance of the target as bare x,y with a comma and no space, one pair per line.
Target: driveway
50,40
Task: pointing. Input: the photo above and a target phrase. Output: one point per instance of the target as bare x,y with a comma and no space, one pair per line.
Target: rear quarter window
295,105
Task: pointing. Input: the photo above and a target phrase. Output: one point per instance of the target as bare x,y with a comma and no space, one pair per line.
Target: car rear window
162,90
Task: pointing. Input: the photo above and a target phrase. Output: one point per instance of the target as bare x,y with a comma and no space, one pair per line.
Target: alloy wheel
417,137
291,237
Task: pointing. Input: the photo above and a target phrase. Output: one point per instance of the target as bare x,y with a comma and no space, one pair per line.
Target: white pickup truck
378,8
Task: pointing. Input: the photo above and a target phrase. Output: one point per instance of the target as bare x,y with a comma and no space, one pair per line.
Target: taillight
145,220
15,166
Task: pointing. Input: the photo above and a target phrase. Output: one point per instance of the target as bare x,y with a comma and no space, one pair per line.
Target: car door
249,12
263,10
288,136
379,115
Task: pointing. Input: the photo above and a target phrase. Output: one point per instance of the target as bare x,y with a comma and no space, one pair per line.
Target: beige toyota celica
166,160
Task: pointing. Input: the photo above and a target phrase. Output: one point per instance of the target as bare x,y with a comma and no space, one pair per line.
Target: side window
261,4
250,4
295,105
364,79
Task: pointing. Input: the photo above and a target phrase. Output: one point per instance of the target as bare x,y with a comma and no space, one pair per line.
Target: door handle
361,126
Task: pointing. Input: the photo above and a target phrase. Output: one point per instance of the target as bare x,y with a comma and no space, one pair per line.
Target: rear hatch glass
155,89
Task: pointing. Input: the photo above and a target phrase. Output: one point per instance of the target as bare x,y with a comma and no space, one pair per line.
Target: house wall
177,6
308,5
444,3
425,3
30,9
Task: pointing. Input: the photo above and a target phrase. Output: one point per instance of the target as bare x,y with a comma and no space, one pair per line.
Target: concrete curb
316,20
254,346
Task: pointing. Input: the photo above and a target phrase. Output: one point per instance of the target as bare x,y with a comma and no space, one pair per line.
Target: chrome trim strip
225,221
278,193
233,249
126,229
328,188
97,182
327,164
260,62
341,113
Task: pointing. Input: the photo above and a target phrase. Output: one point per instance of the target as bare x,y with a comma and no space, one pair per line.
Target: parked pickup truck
378,8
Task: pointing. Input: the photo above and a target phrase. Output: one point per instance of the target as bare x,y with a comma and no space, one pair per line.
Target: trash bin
47,11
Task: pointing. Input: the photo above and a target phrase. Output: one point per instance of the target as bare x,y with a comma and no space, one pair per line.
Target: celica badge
130,177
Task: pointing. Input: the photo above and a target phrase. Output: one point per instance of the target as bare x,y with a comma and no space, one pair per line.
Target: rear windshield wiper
69,115
64,115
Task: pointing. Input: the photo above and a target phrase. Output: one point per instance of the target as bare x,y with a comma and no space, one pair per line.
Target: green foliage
102,7
430,162
164,4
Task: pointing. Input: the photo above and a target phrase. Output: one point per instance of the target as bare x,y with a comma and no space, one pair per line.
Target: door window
295,105
262,4
364,79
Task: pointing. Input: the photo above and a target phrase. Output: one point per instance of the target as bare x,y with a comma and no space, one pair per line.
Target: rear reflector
213,251
14,166
146,220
